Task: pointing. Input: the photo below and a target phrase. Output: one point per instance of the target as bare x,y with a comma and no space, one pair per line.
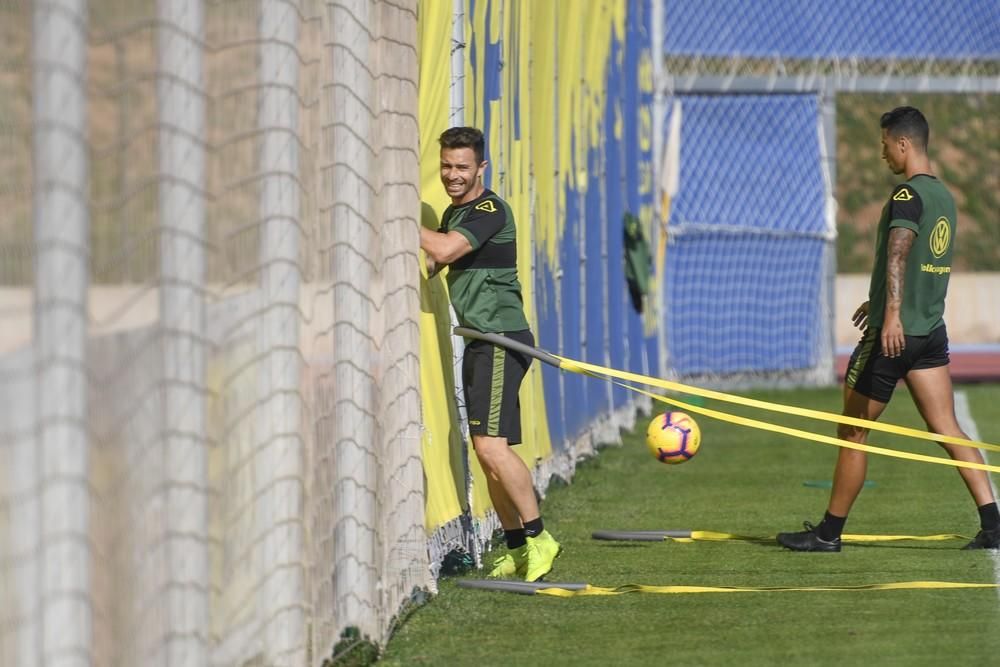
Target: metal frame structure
826,77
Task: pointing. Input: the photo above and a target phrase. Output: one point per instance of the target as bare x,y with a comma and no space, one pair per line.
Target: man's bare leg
513,495
848,480
509,480
932,393
852,465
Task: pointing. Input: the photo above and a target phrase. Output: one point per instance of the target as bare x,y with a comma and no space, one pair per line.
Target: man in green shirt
477,241
904,333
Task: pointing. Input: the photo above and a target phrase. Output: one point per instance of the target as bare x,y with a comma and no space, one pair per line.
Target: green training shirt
924,205
483,284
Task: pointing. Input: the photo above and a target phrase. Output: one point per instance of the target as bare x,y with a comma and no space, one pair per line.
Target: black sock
989,516
533,528
515,538
831,527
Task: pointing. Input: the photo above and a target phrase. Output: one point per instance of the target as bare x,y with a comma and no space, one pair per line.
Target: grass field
743,481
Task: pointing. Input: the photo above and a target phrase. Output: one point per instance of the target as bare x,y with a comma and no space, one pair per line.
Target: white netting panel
749,259
205,467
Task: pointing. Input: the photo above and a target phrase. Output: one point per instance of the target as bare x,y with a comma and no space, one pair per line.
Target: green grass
742,481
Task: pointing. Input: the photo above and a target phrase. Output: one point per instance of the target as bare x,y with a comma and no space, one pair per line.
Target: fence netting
209,381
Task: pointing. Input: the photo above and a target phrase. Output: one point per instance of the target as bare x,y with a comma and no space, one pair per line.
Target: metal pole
456,112
828,166
559,180
657,34
456,118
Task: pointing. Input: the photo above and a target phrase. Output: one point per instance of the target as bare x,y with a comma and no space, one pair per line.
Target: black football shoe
985,539
807,540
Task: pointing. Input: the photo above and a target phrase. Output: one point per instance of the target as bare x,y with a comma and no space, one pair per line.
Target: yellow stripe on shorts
867,342
496,391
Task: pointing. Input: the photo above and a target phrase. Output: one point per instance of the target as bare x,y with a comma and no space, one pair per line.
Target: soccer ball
673,437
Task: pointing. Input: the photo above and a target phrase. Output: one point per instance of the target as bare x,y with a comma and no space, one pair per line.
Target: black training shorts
875,375
492,376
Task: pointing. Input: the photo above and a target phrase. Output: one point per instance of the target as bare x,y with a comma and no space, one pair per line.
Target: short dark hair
464,137
907,122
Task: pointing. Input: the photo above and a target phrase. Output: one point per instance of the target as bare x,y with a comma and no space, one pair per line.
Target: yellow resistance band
639,588
712,536
592,369
806,435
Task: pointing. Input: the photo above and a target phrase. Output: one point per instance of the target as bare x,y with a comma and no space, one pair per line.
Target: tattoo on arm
900,242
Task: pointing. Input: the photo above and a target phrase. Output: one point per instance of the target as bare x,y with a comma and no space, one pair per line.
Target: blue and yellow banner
562,98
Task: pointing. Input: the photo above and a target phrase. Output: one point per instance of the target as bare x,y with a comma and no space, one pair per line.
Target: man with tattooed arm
904,333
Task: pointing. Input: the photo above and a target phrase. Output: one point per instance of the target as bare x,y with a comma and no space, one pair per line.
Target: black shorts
491,376
875,375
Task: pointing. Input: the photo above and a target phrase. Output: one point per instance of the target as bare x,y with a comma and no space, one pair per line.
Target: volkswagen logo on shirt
940,237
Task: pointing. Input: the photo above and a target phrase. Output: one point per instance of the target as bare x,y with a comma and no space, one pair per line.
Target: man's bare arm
900,243
444,248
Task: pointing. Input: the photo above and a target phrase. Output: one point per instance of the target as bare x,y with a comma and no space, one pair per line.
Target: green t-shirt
483,284
924,205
